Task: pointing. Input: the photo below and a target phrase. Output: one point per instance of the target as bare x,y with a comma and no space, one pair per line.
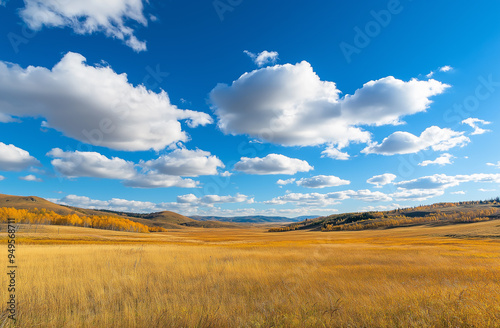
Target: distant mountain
252,219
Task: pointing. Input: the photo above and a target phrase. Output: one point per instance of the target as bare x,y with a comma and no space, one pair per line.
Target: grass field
418,276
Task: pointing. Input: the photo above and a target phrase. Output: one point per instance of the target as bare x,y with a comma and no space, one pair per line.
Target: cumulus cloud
332,198
263,58
214,199
91,164
426,187
272,164
285,182
115,204
380,208
474,122
322,181
437,181
88,17
94,105
154,179
2,177
442,160
334,153
443,181
15,159
290,105
308,199
406,143
381,180
417,194
184,162
369,196
30,177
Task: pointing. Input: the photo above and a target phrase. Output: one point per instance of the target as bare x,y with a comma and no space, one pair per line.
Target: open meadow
419,276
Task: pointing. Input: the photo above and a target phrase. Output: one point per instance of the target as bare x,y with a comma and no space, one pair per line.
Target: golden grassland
447,276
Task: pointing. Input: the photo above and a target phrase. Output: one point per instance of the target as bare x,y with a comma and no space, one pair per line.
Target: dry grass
405,277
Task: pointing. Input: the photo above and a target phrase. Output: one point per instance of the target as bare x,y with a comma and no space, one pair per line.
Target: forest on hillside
43,216
446,213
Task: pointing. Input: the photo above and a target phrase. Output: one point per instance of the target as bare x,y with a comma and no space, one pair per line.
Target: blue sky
249,107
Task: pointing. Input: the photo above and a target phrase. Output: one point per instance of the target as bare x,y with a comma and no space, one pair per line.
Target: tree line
44,216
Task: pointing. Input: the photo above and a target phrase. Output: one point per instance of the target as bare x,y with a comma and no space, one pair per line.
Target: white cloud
91,164
460,192
30,177
272,164
436,181
381,180
473,123
309,199
285,182
417,194
442,160
263,58
184,162
154,179
290,105
334,153
442,181
332,198
2,177
380,208
322,181
445,68
427,187
497,165
486,190
15,159
226,174
115,204
213,199
94,105
87,17
406,143
369,196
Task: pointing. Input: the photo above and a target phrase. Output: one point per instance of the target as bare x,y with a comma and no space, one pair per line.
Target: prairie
421,276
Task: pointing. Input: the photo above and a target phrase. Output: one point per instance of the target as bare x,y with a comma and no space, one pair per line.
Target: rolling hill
166,219
32,202
435,214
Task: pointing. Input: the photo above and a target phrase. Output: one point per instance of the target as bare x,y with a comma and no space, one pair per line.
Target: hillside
436,214
32,202
166,219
